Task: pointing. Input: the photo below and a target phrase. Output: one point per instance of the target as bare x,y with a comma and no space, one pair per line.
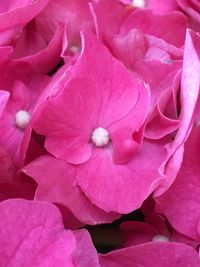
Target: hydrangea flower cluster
99,133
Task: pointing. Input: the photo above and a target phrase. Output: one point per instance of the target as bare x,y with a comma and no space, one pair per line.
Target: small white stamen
100,137
161,238
138,3
74,49
22,119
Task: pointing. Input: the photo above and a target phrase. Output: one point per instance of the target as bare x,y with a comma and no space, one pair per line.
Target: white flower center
161,238
74,49
100,137
138,3
22,119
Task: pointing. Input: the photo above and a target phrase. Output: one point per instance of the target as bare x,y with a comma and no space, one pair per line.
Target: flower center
100,137
22,119
138,3
161,238
74,49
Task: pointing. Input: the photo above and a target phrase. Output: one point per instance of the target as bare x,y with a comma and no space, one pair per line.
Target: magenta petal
41,59
75,14
85,254
180,203
69,119
114,81
159,125
6,165
32,234
161,7
148,22
122,188
21,14
165,254
190,84
4,96
122,131
135,233
59,185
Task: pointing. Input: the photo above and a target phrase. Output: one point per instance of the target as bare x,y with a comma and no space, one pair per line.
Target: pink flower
151,52
95,124
23,91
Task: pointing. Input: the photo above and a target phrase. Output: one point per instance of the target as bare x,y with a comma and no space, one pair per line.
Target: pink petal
122,188
191,7
6,166
189,96
32,48
168,25
75,14
32,234
115,82
21,13
69,129
151,254
59,186
88,256
163,119
108,12
135,233
4,96
161,7
121,132
180,203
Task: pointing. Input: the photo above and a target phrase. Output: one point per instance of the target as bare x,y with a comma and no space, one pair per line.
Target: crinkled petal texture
190,83
181,203
165,254
32,234
59,185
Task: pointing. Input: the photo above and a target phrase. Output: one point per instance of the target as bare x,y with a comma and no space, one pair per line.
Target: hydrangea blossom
93,132
99,133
